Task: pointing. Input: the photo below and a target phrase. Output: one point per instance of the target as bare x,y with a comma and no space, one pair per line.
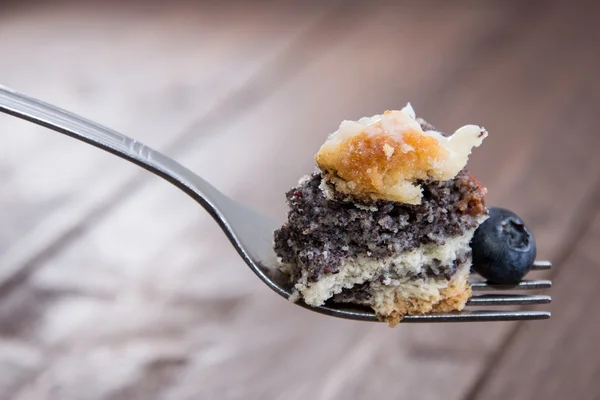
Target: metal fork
249,232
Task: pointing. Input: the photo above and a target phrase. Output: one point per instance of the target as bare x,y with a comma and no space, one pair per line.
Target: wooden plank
168,67
561,157
215,312
17,361
528,130
200,284
204,56
558,358
493,94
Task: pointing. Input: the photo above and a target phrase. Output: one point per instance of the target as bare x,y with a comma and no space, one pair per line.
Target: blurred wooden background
114,285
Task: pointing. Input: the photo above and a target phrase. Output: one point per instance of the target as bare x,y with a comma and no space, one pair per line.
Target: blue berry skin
503,248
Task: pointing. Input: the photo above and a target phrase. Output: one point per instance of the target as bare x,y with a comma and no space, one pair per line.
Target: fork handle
59,120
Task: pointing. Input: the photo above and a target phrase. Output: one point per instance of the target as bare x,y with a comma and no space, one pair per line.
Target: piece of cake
387,218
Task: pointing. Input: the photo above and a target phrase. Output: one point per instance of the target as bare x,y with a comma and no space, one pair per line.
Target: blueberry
503,248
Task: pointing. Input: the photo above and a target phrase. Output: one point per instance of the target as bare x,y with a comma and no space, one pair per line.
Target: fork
251,233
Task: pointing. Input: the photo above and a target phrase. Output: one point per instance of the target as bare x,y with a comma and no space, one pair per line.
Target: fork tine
507,299
540,265
479,316
523,285
537,266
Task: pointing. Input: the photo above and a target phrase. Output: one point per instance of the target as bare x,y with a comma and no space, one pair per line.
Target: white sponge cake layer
403,267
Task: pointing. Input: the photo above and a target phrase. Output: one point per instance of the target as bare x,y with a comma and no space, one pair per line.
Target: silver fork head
253,239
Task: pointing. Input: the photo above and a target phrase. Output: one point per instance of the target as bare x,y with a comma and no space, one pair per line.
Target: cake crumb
388,150
384,157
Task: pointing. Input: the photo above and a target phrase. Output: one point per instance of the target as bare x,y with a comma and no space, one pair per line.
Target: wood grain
168,83
167,68
150,281
558,358
126,253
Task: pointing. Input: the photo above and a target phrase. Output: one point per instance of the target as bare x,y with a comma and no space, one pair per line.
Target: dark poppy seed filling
321,232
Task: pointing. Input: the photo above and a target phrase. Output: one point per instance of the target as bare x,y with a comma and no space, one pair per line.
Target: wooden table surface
114,285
